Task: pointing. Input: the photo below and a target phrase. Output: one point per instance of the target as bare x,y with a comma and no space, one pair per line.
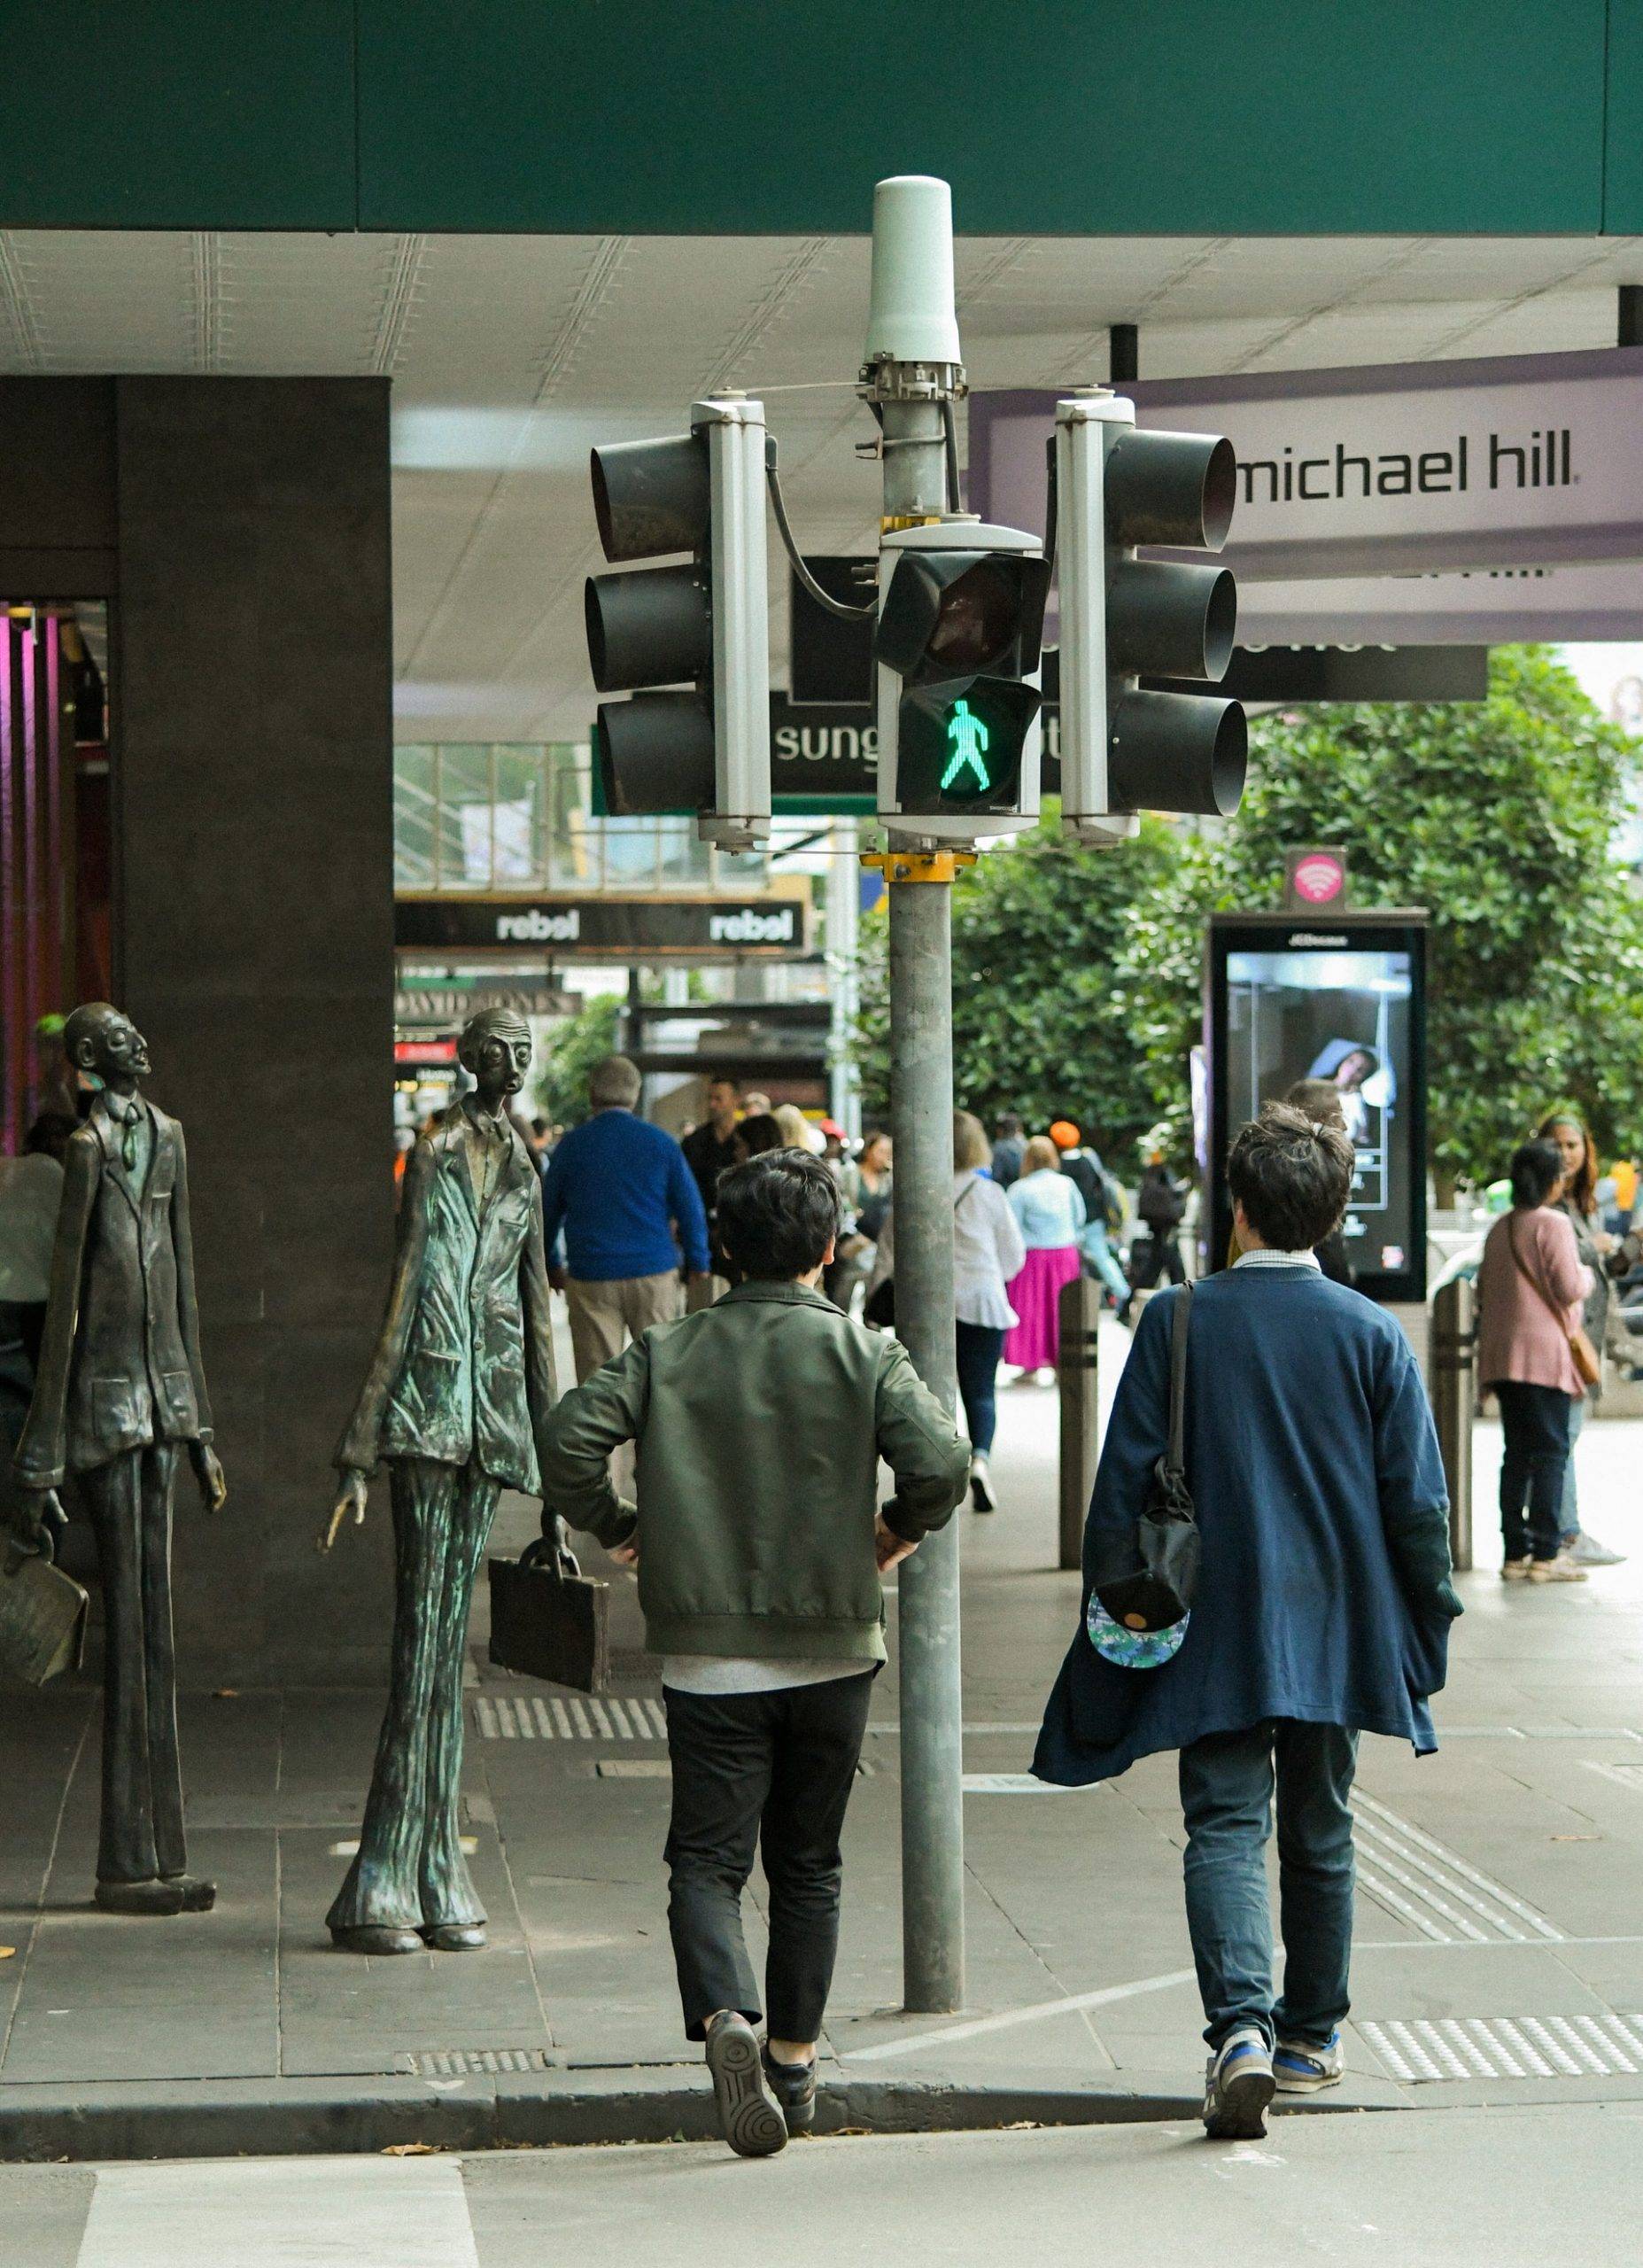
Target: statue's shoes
378,1937
455,1936
197,1896
140,1897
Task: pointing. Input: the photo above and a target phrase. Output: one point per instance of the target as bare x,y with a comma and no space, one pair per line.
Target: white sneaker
1239,2084
984,1495
1299,2067
1561,1570
1516,1571
1587,1552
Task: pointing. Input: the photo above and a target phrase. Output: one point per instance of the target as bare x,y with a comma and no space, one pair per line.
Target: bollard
1079,1321
1454,1403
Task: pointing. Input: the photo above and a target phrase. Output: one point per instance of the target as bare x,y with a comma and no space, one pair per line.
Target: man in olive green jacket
759,1424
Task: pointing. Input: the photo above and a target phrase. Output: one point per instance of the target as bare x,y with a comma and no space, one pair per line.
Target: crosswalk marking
370,2212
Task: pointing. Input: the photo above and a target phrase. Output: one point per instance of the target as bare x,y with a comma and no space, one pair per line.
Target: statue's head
495,1051
102,1038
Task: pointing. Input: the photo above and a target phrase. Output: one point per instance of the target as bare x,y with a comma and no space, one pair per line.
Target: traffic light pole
910,398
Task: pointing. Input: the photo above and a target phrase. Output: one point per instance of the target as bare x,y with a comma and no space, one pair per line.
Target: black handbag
1145,1577
550,1620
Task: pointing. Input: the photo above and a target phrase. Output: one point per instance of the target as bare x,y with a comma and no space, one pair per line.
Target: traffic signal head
700,622
958,642
1122,618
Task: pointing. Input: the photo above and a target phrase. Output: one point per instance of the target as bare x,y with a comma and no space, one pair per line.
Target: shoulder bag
879,1312
1587,1361
1143,1578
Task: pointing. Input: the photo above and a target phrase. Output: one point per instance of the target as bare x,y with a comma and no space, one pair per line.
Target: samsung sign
602,928
1523,461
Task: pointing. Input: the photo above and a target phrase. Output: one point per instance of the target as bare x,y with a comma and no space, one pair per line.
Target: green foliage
1077,975
1498,817
579,1043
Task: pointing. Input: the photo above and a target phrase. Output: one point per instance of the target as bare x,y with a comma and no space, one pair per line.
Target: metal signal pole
912,377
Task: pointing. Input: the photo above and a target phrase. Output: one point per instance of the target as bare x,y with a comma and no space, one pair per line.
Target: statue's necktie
128,1140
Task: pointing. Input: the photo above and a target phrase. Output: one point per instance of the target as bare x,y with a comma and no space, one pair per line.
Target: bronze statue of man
460,1389
119,1396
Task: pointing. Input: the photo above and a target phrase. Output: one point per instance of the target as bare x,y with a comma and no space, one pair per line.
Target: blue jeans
980,1347
1225,1795
1568,1512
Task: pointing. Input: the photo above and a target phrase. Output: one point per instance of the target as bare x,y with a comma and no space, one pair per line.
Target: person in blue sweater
620,1189
1322,1606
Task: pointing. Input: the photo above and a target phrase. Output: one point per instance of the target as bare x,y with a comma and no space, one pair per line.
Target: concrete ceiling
510,355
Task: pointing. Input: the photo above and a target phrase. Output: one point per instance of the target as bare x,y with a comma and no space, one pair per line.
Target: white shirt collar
1268,1256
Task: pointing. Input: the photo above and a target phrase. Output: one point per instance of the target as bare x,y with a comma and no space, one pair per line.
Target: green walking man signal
967,737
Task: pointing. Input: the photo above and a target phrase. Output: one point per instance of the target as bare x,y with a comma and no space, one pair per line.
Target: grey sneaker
750,2117
1299,2067
1561,1570
793,2087
1238,2084
1587,1552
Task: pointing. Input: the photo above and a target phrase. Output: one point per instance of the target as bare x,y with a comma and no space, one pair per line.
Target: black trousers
130,1504
1535,1422
1159,1256
773,1771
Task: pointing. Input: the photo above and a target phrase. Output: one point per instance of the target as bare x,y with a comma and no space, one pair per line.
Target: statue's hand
38,1519
351,1498
213,1485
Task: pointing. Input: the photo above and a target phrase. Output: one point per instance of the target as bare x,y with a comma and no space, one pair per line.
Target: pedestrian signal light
1124,617
697,627
958,639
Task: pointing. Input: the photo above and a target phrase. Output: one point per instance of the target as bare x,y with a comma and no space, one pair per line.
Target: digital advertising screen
1343,1000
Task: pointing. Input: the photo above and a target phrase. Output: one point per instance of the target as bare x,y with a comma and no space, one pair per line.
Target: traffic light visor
652,627
1170,488
1178,752
947,613
655,753
1165,619
652,497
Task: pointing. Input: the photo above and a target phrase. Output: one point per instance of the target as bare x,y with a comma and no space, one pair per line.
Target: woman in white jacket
988,1253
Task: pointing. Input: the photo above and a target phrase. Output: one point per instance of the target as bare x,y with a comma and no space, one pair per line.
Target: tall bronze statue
460,1387
119,1396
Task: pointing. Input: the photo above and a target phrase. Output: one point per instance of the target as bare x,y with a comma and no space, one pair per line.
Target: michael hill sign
1518,461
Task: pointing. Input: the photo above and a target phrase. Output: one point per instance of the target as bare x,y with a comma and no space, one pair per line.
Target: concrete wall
242,526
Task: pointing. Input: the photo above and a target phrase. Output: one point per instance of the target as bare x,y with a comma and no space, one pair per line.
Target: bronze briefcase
42,1616
550,1620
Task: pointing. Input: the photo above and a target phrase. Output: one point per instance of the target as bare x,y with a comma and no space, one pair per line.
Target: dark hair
1317,1098
1535,1169
1009,1124
1292,1175
759,1134
777,1214
1582,1187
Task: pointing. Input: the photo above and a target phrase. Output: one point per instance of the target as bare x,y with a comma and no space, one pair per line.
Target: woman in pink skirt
1051,1212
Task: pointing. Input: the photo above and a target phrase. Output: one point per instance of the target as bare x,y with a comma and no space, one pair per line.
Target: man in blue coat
1322,1606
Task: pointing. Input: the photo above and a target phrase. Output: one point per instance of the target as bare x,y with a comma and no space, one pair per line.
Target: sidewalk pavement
1500,1930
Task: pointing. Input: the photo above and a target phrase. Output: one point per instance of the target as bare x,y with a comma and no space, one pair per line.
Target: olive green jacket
759,1423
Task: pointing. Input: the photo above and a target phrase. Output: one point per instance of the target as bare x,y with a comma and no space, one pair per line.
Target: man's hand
888,1548
558,1278
351,1498
625,1555
213,1485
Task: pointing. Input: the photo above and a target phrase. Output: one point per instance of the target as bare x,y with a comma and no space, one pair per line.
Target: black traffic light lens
947,613
960,744
1168,620
1170,488
1178,752
651,627
652,497
655,753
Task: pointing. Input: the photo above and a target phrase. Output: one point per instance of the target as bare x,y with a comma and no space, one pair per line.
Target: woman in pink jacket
1531,1288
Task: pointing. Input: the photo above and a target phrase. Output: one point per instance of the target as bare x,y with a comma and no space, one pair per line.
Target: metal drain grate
460,2063
1415,1876
1508,2048
502,1716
